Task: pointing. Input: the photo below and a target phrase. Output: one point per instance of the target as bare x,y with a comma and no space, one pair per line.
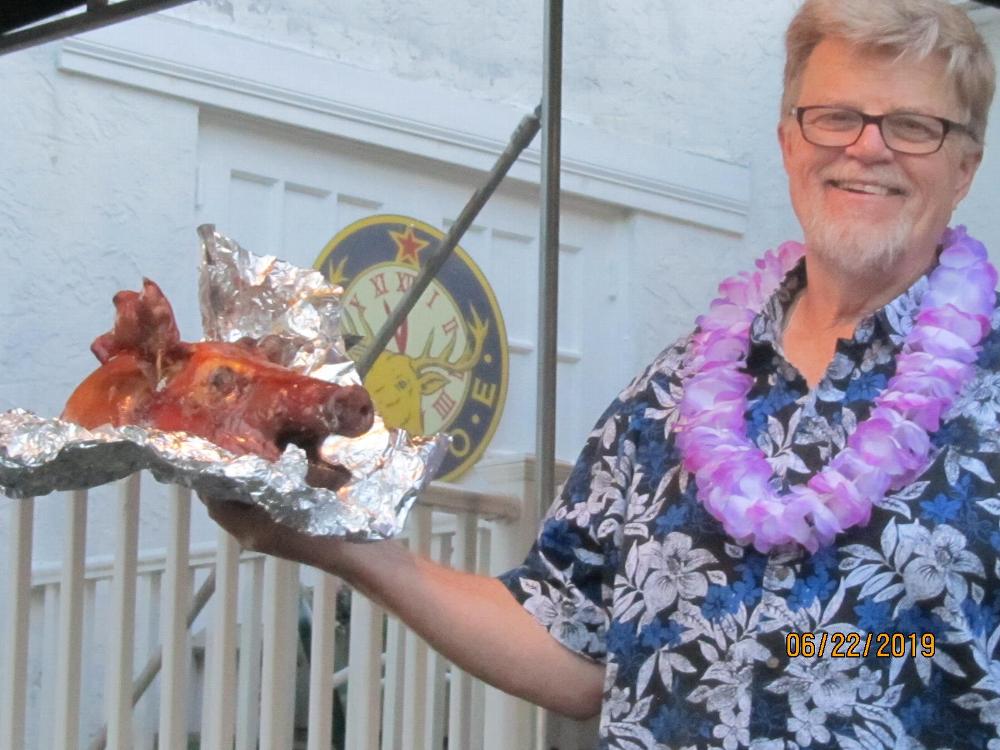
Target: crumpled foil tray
243,295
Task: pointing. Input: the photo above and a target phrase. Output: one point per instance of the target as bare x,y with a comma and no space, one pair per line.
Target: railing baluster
321,652
248,678
414,706
281,611
49,648
365,667
464,550
118,683
14,685
93,648
393,688
67,704
176,593
147,646
435,717
477,716
218,720
83,635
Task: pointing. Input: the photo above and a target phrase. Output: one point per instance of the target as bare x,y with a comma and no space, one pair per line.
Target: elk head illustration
397,382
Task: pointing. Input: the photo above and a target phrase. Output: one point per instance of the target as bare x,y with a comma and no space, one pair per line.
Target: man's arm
472,620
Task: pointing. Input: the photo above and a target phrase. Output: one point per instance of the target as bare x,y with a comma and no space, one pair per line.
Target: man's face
864,207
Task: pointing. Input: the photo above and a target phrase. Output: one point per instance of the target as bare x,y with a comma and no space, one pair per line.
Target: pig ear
144,327
157,317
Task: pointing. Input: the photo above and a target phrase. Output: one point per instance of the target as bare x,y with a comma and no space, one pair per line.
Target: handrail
441,496
454,498
151,560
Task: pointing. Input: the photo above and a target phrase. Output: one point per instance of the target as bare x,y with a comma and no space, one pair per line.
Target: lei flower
887,451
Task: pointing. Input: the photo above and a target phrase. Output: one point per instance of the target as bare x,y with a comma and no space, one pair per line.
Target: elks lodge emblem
446,368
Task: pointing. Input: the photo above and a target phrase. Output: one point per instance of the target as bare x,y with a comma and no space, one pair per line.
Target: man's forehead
851,75
835,50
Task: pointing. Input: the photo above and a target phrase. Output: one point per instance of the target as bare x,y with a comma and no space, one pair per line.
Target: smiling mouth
865,188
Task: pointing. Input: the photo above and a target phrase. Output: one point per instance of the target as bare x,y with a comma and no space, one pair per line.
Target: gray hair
910,28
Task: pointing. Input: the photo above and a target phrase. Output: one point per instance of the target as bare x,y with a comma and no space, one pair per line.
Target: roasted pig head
231,394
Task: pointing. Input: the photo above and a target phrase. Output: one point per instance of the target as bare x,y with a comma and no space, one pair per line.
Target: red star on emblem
408,247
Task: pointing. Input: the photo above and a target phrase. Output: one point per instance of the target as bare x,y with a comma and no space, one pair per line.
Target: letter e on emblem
484,392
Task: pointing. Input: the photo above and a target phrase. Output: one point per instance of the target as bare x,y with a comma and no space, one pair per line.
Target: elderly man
785,532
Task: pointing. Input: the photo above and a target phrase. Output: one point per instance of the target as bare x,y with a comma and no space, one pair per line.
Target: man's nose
870,144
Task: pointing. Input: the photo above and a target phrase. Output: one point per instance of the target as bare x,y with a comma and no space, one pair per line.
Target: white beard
852,246
856,248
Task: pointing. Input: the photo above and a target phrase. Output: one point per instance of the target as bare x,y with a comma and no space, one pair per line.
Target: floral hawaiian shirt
886,640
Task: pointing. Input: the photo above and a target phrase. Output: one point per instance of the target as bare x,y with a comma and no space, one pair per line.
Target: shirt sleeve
566,580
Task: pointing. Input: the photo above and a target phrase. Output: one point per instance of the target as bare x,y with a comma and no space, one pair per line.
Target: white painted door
280,190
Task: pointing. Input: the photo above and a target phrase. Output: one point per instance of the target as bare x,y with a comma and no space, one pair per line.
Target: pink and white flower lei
887,451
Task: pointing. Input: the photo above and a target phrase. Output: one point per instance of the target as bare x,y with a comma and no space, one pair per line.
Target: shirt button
773,662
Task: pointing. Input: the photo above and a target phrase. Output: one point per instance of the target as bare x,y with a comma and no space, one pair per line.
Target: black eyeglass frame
866,120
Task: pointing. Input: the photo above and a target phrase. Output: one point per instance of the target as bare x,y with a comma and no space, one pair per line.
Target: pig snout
307,420
350,409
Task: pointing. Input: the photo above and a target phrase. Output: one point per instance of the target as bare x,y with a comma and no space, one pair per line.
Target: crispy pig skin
116,393
231,394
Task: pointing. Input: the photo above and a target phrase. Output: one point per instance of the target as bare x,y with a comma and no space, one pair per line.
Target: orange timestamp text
844,645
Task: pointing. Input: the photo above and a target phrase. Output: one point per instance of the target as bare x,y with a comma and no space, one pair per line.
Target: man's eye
915,128
836,120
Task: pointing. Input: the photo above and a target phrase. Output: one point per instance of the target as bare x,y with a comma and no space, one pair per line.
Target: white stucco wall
659,72
95,192
88,169
97,180
702,77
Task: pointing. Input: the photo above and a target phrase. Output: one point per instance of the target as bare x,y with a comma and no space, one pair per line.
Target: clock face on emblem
445,369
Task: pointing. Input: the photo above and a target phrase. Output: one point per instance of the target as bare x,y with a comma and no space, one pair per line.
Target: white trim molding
220,70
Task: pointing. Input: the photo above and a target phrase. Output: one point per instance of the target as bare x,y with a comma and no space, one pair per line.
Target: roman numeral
443,404
404,281
378,281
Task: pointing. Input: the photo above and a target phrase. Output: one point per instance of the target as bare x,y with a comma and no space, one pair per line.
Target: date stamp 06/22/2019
848,645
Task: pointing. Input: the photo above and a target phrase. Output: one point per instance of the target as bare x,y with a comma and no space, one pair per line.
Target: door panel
279,190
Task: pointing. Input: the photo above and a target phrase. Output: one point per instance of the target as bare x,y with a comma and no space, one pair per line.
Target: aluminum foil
298,311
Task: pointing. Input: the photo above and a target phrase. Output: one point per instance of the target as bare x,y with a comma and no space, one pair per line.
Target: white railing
213,648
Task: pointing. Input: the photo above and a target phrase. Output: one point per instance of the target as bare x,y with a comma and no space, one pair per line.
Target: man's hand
472,620
254,530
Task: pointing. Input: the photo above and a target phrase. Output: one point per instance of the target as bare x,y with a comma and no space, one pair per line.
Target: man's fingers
220,508
255,530
238,518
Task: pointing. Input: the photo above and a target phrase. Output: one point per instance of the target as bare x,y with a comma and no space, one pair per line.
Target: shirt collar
893,321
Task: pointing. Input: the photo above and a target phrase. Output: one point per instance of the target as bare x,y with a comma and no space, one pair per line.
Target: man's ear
785,140
969,161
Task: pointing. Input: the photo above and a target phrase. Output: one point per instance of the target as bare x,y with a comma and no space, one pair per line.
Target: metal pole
523,134
548,266
548,277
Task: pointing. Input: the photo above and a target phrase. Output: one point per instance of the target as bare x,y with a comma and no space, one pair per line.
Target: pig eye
224,380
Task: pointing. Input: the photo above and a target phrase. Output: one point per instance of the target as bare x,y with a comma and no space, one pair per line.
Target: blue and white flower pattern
630,570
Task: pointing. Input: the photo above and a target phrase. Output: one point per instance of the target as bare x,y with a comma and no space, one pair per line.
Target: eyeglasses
905,132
